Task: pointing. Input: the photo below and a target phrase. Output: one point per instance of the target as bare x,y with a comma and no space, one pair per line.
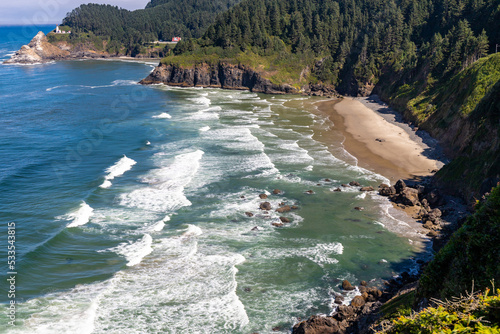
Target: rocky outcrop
39,50
222,75
227,76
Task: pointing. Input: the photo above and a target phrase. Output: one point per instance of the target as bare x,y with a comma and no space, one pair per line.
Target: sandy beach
380,144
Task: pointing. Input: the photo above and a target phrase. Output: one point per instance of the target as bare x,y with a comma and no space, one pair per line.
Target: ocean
129,205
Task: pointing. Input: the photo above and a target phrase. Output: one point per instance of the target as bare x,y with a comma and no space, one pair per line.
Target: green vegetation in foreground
471,314
470,257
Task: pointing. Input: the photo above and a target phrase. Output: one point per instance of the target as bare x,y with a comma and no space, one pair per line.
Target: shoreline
384,145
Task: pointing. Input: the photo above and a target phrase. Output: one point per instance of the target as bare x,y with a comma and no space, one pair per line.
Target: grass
280,68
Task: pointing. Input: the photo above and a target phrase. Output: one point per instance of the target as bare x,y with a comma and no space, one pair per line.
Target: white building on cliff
59,31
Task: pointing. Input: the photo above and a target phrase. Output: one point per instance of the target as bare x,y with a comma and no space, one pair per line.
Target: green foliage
471,314
471,255
160,20
399,306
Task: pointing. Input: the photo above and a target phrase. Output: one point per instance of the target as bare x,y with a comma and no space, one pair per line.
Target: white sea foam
201,100
80,216
118,169
204,129
163,115
134,252
159,225
165,192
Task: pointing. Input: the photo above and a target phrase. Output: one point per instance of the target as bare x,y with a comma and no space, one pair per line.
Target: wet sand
379,144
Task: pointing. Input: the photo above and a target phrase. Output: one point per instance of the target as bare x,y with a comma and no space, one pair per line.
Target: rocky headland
228,76
40,51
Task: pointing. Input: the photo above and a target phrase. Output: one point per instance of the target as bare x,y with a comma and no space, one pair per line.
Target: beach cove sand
380,144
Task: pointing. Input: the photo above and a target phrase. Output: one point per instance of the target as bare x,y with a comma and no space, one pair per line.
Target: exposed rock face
317,325
39,50
226,76
221,76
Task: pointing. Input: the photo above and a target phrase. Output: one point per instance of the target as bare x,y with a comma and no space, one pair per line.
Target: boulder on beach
387,191
265,206
367,189
409,196
399,186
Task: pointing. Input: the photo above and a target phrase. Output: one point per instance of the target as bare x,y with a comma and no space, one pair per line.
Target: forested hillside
160,20
419,55
353,40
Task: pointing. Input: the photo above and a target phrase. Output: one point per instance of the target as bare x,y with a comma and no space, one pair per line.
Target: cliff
227,76
39,50
463,113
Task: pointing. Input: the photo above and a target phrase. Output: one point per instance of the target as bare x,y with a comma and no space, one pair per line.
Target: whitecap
204,129
163,115
165,192
134,252
118,169
80,216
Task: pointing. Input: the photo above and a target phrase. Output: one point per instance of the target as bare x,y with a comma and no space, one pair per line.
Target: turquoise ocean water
129,204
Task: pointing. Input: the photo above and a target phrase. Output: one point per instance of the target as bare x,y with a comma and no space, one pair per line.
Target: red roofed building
176,39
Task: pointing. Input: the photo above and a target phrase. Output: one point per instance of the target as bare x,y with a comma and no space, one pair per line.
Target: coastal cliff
39,50
227,76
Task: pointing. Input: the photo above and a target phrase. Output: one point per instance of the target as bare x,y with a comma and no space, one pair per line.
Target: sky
37,12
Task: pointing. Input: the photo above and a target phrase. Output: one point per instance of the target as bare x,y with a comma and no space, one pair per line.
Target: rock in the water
339,299
284,220
387,191
359,208
317,325
338,190
345,185
277,224
310,192
354,184
249,214
276,192
283,209
363,283
328,180
346,285
265,206
294,207
399,186
367,189
263,196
